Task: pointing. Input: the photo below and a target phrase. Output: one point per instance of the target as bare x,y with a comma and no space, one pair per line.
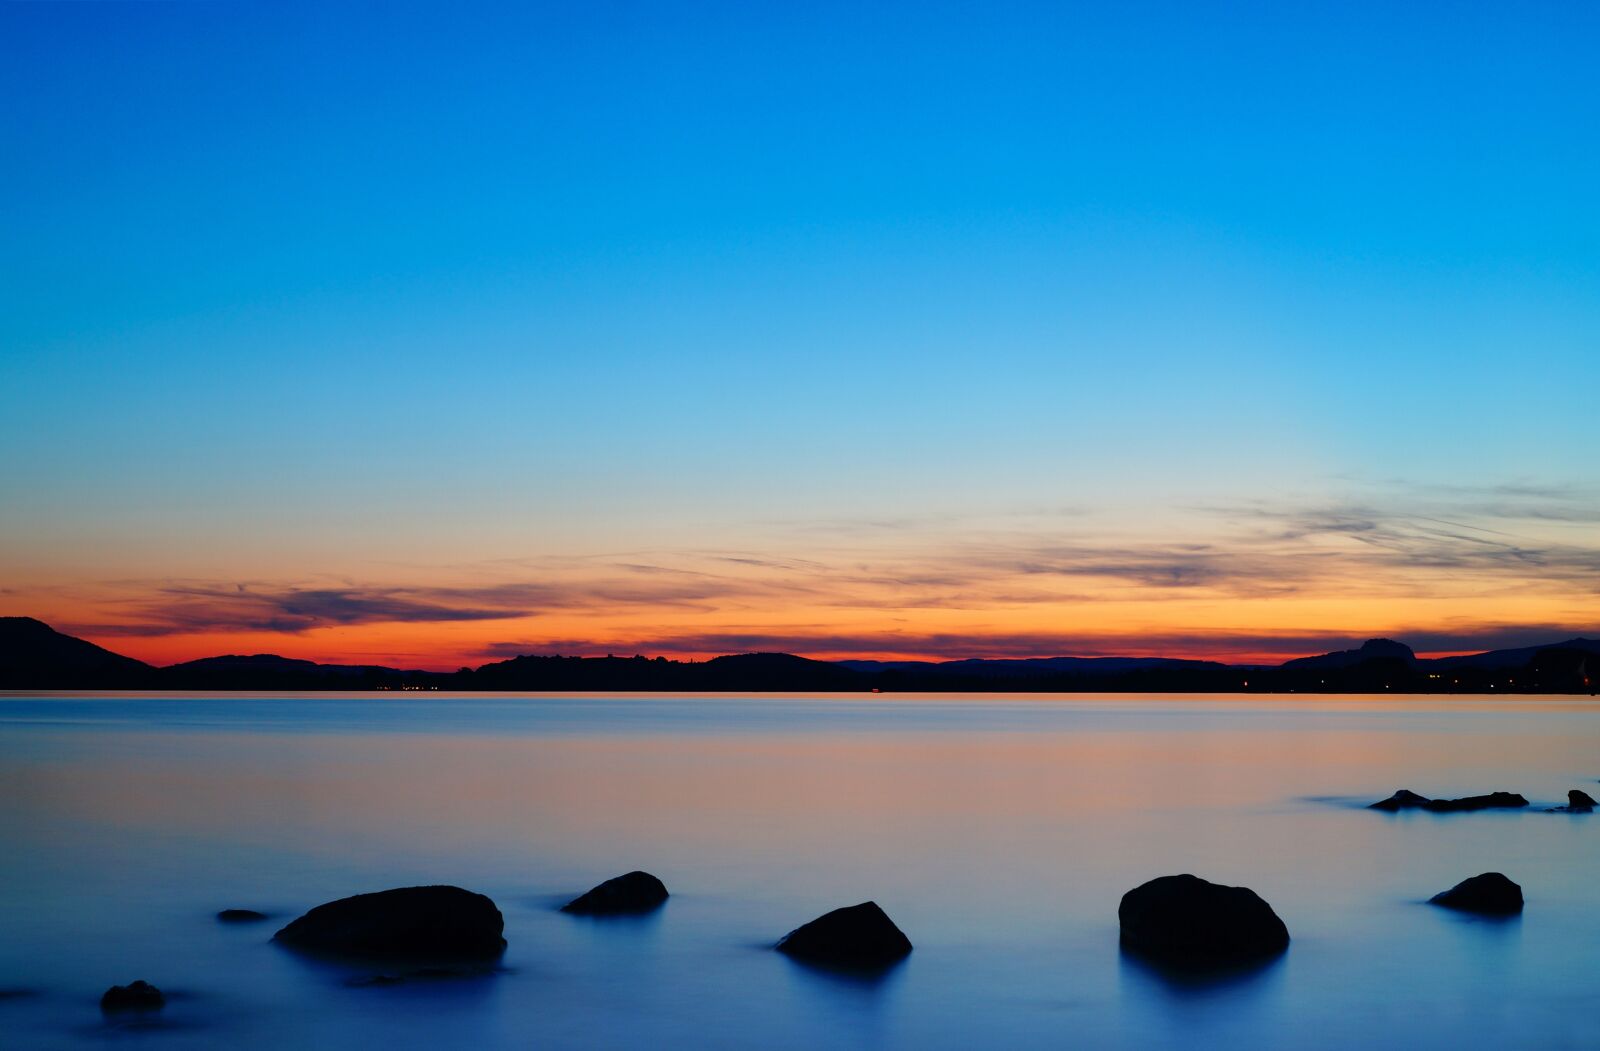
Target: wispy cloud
1046,568
202,608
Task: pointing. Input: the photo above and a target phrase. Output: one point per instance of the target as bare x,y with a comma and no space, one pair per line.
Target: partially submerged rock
1491,893
1578,802
859,936
1494,800
135,996
1187,921
408,922
1405,799
241,916
634,892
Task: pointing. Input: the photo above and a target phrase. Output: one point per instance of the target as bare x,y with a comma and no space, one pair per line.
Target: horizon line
831,655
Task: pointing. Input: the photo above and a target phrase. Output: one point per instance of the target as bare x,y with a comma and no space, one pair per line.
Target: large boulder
859,936
1490,893
1187,921
241,916
634,892
408,922
135,996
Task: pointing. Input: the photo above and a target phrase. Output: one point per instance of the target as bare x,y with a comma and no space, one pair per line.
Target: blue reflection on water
998,833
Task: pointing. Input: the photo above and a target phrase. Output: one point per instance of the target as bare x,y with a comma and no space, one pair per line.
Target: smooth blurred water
999,833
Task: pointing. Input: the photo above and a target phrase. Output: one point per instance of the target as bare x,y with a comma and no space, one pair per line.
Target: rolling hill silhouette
34,656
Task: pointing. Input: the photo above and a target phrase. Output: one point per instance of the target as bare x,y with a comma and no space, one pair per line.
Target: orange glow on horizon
428,647
1237,595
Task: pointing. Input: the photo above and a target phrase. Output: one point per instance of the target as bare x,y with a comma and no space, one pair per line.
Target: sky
429,334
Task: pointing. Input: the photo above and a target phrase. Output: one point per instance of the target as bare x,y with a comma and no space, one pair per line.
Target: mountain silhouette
1371,650
268,671
33,656
1516,658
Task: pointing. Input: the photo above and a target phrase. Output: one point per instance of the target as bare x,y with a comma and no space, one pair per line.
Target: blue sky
287,290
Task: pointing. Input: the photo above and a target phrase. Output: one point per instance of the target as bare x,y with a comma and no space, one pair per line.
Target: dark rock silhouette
408,922
859,936
1578,802
1492,801
1490,893
632,893
1404,799
135,996
1189,922
240,916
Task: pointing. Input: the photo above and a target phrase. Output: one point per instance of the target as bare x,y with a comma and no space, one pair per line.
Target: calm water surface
999,833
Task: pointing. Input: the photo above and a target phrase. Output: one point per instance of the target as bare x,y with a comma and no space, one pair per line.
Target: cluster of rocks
1578,802
1181,921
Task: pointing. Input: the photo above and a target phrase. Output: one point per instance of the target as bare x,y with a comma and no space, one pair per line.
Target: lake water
998,832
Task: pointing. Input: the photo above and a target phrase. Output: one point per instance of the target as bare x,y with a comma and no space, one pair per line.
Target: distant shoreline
33,656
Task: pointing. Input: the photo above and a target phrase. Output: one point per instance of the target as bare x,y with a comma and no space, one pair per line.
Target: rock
1188,921
1577,803
135,996
240,916
860,936
1491,801
633,893
1489,893
1405,799
414,922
